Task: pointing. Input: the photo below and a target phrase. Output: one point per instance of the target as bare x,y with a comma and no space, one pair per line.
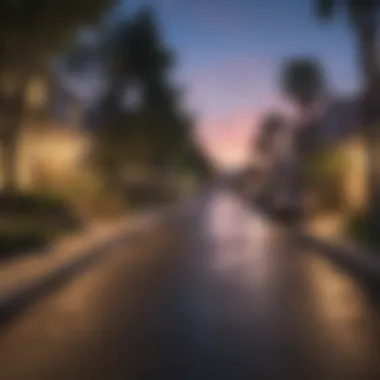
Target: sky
229,53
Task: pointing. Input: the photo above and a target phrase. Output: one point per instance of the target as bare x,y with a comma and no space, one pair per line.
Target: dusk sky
229,53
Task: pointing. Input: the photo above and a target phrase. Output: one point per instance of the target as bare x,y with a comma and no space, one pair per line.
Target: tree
270,126
31,31
151,62
188,155
154,131
302,81
363,18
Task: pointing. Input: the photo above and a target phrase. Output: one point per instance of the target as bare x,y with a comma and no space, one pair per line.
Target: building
49,152
50,156
338,128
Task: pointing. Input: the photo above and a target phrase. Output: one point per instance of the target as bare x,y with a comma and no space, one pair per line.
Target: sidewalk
325,235
26,276
19,275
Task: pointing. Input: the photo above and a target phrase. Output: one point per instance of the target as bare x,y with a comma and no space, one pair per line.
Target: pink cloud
233,95
228,140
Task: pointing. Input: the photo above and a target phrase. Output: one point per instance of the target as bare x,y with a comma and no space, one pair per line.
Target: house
48,152
50,156
338,126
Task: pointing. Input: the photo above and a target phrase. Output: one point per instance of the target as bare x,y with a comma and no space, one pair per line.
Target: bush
90,196
367,234
12,204
30,221
324,173
12,242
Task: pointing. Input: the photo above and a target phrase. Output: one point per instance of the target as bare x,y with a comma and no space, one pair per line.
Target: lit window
36,93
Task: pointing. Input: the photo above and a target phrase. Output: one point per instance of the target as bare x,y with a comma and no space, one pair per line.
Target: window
36,93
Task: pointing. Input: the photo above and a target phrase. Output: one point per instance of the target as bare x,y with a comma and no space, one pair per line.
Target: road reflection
262,307
219,293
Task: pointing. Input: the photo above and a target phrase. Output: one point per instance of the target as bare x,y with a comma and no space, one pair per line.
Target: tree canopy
152,130
302,80
31,32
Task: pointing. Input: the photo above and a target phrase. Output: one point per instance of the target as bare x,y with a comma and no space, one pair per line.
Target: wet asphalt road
220,293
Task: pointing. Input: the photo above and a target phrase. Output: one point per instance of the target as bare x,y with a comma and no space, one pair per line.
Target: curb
19,297
361,263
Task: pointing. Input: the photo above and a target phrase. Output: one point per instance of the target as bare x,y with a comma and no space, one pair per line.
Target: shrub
88,194
324,173
15,241
30,221
359,228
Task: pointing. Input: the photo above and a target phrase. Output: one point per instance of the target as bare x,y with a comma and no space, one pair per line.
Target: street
218,293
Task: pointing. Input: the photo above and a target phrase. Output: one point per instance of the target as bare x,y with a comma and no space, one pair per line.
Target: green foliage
329,162
29,221
325,8
16,241
32,30
363,17
42,205
156,132
354,9
363,231
324,173
145,46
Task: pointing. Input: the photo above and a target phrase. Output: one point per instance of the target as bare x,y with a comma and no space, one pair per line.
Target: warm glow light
338,308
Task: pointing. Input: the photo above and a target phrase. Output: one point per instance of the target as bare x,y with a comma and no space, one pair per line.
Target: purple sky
229,52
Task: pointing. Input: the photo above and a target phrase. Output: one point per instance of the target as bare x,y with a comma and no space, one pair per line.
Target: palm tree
302,80
363,17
